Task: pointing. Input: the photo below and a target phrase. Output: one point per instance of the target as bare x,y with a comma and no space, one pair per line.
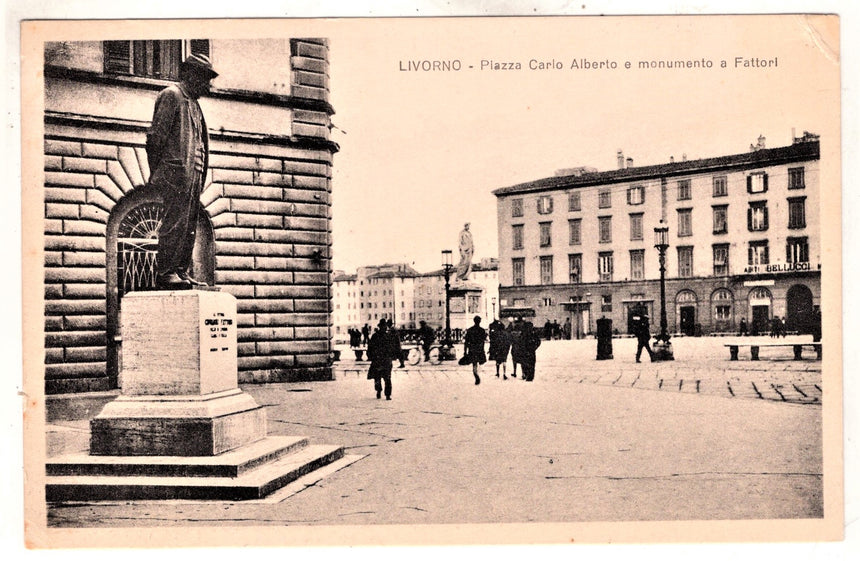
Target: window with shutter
797,212
757,182
200,47
150,59
117,57
757,216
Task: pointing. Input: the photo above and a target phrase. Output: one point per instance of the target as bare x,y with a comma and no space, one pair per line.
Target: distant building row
402,294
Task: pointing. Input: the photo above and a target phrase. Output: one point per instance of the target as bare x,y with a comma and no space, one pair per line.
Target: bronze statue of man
177,147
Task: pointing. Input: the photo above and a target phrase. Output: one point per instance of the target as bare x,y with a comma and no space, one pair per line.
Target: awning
517,312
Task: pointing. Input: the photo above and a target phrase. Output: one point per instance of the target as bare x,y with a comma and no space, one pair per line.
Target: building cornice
138,82
79,121
798,152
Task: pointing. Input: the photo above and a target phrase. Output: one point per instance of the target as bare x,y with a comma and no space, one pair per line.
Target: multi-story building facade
264,235
384,292
743,234
345,312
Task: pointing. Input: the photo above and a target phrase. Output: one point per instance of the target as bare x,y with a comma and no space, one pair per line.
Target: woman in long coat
500,346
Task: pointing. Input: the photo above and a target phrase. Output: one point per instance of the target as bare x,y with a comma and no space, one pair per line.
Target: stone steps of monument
229,464
253,484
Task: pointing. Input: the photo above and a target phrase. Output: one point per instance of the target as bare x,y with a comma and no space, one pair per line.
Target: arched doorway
760,302
131,250
686,304
798,309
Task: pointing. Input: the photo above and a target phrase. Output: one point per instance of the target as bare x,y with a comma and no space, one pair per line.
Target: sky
421,152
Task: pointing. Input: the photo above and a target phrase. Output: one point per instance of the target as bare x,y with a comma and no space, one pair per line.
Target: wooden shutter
200,47
117,57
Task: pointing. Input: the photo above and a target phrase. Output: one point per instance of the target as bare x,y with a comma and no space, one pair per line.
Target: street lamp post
662,347
493,300
446,268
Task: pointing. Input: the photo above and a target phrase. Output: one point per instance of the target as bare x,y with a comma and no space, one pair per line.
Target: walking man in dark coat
473,347
380,351
177,149
643,336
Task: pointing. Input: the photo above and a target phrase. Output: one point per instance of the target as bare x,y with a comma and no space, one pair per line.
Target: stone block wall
267,199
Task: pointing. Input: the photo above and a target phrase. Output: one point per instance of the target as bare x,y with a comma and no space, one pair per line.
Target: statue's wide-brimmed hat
200,63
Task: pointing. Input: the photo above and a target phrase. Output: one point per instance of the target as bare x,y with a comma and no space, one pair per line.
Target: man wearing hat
380,352
177,148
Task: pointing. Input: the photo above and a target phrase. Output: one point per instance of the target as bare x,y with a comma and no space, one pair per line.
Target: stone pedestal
182,428
180,394
662,351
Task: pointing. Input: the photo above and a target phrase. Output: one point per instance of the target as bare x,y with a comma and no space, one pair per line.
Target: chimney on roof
620,159
629,162
671,159
760,145
684,157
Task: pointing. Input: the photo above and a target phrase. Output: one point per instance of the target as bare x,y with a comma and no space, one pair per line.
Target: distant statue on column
467,249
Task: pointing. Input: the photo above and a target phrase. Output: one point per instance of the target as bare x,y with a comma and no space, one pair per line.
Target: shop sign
780,268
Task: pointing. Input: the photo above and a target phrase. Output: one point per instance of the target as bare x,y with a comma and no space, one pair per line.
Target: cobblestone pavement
701,366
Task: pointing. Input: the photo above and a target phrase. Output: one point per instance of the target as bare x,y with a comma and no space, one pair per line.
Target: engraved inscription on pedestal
178,343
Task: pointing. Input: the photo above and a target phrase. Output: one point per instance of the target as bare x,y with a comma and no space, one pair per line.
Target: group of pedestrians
359,337
552,330
777,327
519,339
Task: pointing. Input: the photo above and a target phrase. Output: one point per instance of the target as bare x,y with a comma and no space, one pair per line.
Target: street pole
662,348
664,335
447,265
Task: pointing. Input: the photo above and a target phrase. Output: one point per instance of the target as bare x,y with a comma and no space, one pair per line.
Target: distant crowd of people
553,330
518,339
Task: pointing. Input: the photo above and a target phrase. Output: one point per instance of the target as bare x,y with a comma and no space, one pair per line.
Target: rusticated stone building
264,235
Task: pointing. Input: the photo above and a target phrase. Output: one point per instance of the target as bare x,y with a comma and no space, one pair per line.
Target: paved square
693,439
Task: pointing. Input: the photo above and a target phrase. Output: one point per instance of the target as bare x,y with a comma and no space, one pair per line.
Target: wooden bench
754,349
